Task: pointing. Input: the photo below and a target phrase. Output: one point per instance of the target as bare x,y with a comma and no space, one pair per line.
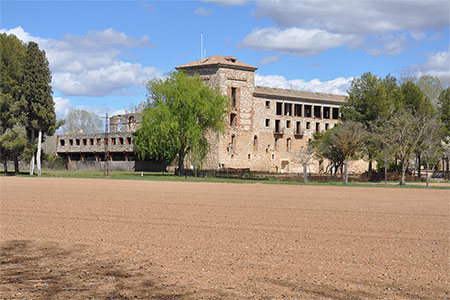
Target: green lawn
159,176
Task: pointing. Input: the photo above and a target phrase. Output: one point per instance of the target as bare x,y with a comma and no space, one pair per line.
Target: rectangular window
297,127
288,109
128,141
288,144
267,104
327,126
232,120
326,112
277,126
77,141
288,124
317,127
91,142
279,108
62,142
113,141
308,111
71,142
297,110
267,122
98,142
233,97
84,142
308,125
317,112
335,113
121,141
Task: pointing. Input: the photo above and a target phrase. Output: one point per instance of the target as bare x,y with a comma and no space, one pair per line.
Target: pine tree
12,104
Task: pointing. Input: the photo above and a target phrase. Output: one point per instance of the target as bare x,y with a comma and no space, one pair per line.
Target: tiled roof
295,94
219,60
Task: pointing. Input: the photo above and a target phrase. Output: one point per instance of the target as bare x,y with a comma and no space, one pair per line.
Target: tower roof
220,61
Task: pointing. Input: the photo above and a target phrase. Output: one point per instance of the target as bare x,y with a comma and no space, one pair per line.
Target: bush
53,162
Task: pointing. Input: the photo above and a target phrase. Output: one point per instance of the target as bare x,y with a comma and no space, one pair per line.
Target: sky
101,53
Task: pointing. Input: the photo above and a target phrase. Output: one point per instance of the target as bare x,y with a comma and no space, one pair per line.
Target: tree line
389,121
27,109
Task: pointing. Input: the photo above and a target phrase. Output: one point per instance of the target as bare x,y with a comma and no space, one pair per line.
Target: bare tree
348,138
445,146
385,149
305,157
403,130
430,143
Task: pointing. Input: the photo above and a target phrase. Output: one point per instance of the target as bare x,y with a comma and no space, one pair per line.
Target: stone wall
117,142
128,166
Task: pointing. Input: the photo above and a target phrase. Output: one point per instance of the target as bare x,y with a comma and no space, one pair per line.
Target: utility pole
106,143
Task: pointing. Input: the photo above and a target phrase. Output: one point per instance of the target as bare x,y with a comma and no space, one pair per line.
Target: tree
12,103
444,111
305,157
181,110
385,149
402,130
340,144
430,142
41,118
431,87
348,138
324,149
370,98
82,121
415,100
12,144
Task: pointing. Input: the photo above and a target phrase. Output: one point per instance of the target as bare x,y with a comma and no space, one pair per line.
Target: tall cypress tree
41,117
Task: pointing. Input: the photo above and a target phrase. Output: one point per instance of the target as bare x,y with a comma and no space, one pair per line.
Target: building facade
266,128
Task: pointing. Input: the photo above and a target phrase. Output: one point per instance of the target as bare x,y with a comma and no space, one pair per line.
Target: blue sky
102,52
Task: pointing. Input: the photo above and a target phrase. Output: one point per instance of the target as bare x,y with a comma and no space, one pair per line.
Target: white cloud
63,106
296,41
336,86
90,65
437,64
104,80
357,17
227,2
202,11
324,24
269,60
387,45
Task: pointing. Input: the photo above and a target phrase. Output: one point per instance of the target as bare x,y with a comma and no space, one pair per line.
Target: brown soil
118,239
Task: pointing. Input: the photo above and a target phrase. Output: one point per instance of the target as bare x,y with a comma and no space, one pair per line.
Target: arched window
255,143
233,141
131,123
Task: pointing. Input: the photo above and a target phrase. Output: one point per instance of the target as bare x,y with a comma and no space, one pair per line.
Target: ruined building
89,151
266,127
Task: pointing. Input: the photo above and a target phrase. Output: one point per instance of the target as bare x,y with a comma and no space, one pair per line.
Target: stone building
266,127
84,151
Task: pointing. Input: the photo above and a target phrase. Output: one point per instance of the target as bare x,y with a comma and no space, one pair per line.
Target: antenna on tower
201,45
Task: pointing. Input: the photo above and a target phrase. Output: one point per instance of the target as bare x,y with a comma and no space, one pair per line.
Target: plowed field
118,239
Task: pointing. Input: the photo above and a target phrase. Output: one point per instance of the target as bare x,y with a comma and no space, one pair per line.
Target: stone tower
237,80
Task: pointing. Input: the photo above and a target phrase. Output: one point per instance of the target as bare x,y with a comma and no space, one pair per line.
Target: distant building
266,127
82,151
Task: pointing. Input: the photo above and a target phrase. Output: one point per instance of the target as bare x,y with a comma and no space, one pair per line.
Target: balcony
278,131
299,133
